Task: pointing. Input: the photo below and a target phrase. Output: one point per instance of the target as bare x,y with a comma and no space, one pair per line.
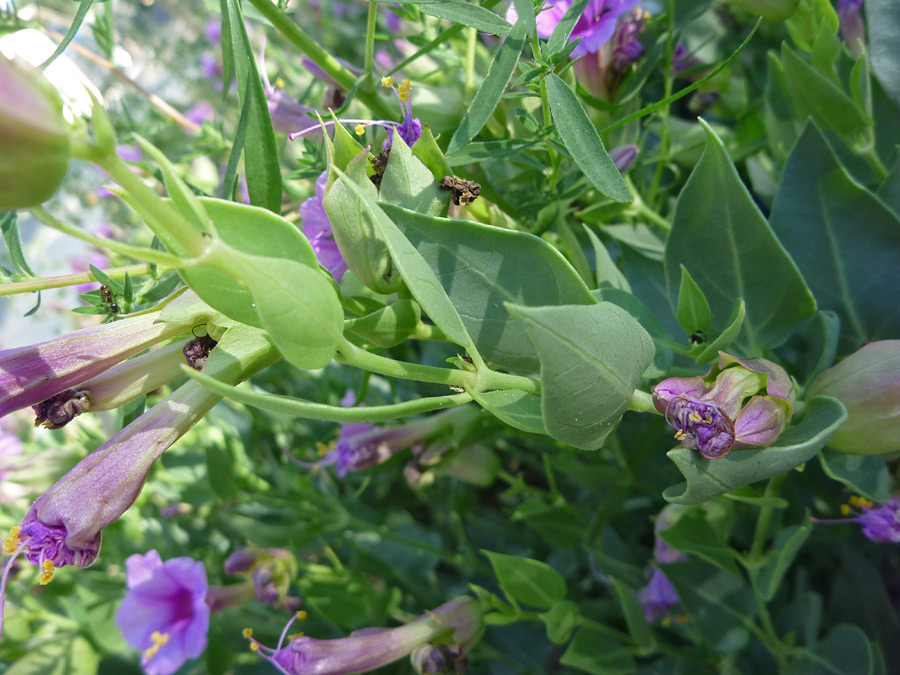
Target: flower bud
868,384
34,136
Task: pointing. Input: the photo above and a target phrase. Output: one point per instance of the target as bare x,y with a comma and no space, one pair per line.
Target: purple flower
712,414
165,612
317,229
288,116
626,45
595,26
658,596
881,523
623,157
459,620
853,29
410,128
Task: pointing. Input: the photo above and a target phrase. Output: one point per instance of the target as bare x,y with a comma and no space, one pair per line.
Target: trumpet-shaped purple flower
370,648
739,403
165,613
595,26
317,229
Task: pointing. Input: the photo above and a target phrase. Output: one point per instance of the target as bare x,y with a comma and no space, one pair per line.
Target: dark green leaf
468,14
606,271
692,534
592,358
237,147
530,582
884,31
799,443
692,311
220,472
709,352
473,153
723,240
846,649
635,618
561,620
889,192
785,548
525,10
597,653
583,142
867,475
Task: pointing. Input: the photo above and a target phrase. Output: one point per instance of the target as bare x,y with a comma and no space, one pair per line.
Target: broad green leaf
799,443
595,652
785,548
491,91
559,38
428,152
709,352
720,605
260,151
889,191
516,408
635,618
409,183
561,620
592,358
239,226
814,94
482,267
692,534
388,326
66,654
884,31
723,240
866,475
605,269
692,310
296,304
220,472
468,14
845,241
845,649
414,269
583,142
530,582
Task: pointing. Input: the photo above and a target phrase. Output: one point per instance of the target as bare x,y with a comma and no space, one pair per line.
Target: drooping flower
738,403
594,28
459,620
317,229
165,613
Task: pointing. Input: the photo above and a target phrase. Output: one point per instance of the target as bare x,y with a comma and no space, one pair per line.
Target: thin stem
773,487
360,358
43,283
141,253
471,42
370,40
655,219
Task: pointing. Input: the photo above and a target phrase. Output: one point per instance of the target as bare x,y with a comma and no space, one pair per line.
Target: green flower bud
868,384
34,136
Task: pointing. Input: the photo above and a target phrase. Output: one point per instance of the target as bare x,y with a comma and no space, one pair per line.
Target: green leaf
473,153
867,475
468,14
782,125
889,191
709,352
525,10
428,152
409,183
481,267
785,548
260,150
296,304
388,326
83,7
592,358
418,275
66,654
491,91
239,225
220,472
692,534
723,240
884,31
845,649
559,38
692,311
814,94
595,652
583,142
561,620
9,227
530,582
635,618
516,408
606,271
842,237
799,443
748,495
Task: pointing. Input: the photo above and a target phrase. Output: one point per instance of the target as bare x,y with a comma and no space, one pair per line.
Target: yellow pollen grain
47,570
695,417
248,632
845,509
279,83
12,542
360,129
679,434
666,622
324,448
387,81
254,646
301,615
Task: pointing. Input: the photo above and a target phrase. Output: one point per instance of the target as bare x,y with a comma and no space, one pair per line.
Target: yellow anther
679,434
360,129
47,570
708,419
294,636
12,541
279,83
159,639
324,448
666,622
387,81
695,417
301,615
864,503
248,632
845,510
254,646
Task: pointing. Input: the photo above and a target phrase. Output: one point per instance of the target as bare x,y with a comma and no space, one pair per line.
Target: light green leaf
692,311
409,183
583,142
597,653
799,443
785,548
867,475
605,269
468,14
481,267
516,408
723,240
530,582
388,326
592,358
561,621
428,152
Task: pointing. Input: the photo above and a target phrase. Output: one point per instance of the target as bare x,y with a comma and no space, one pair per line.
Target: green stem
471,42
773,487
141,253
370,41
43,283
641,401
426,331
664,113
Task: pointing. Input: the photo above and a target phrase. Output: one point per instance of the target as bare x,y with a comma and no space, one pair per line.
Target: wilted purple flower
317,229
165,612
367,649
709,413
595,27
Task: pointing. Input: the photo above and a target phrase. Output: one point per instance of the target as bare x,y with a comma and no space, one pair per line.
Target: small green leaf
709,351
559,38
635,618
785,548
530,582
693,312
561,620
799,443
867,475
220,472
595,652
428,152
692,534
468,14
583,142
388,326
592,357
409,184
491,91
606,271
516,408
